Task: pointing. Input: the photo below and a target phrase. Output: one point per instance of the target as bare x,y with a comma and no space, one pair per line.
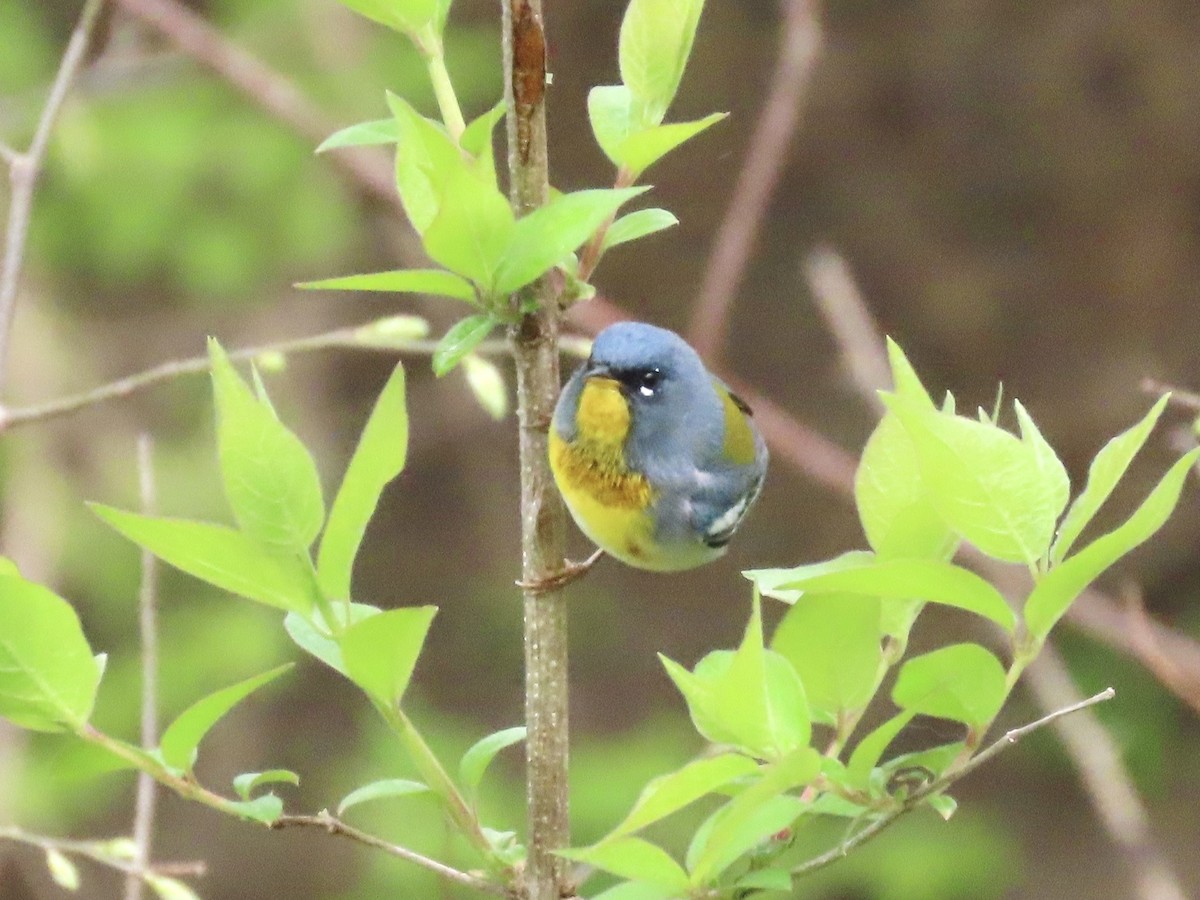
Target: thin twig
768,145
858,338
1163,666
940,784
23,172
143,819
1108,784
334,825
102,851
360,337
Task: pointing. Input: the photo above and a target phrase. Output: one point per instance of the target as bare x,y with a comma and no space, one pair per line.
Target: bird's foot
564,576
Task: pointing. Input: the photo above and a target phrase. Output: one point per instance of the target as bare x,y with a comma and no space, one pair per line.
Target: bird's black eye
646,381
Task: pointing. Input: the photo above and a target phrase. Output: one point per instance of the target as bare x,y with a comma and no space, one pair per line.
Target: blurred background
1016,187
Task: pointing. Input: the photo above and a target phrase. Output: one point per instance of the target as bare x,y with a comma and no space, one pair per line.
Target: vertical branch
23,172
535,352
143,817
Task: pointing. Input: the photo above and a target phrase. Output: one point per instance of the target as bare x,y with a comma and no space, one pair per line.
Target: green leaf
487,385
756,813
426,160
672,792
381,651
656,40
611,113
1054,474
463,337
378,790
872,747
778,880
833,642
271,481
984,482
308,636
477,138
751,698
637,225
771,582
1105,471
171,888
379,457
963,682
543,238
894,505
48,676
405,16
392,332
400,281
905,382
1058,589
634,890
380,131
265,809
183,736
62,870
248,782
642,149
477,759
636,859
920,579
473,231
232,561
943,804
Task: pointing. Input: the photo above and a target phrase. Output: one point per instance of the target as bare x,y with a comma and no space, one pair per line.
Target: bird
658,461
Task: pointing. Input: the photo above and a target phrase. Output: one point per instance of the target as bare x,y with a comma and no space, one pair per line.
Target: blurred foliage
1015,185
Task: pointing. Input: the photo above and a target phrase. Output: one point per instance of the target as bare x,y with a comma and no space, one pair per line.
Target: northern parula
657,459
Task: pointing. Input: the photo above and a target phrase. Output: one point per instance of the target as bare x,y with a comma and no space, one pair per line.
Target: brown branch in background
143,818
23,171
765,158
1108,784
1144,637
1179,396
848,319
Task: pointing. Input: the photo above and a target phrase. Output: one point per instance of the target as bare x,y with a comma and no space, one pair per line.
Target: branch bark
535,352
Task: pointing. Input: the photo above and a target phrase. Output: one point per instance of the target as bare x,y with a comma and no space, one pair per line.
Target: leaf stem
433,49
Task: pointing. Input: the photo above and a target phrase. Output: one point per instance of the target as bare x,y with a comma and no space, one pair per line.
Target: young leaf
271,481
265,809
378,458
635,859
405,16
771,582
670,793
377,790
223,557
894,506
392,332
656,40
984,482
380,131
905,382
183,736
309,637
637,225
477,138
381,651
473,230
1059,588
610,110
635,890
487,384
871,748
756,813
48,676
477,759
776,880
943,804
463,337
543,238
400,281
426,160
1103,474
833,642
928,580
963,682
247,783
1054,474
643,148
170,888
62,870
